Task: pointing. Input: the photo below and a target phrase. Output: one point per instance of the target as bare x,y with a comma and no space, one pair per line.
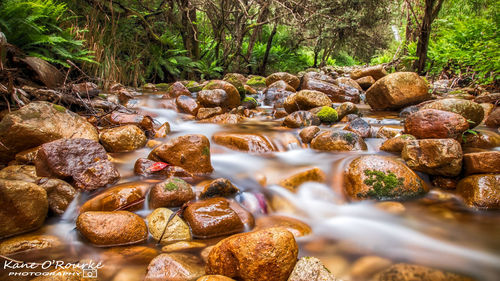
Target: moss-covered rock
327,114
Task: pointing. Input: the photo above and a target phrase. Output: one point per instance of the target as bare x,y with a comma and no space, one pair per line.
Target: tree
431,11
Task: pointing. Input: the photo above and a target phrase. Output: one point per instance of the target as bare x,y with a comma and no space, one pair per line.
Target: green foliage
328,114
35,27
383,184
344,59
172,61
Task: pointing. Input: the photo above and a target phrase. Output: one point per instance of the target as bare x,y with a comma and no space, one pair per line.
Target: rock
381,178
327,115
366,82
290,79
376,72
146,167
481,191
183,246
360,127
441,157
387,132
149,87
481,139
163,130
187,105
238,81
173,192
204,113
27,156
249,103
217,98
296,227
257,82
339,140
60,194
120,197
308,133
191,152
493,119
410,272
310,269
397,90
409,110
192,86
20,172
231,99
445,182
396,144
346,108
218,187
300,119
305,100
28,242
212,217
365,267
435,124
224,119
468,109
391,207
123,138
214,278
263,255
177,89
277,92
488,98
293,182
83,160
278,114
38,123
249,90
349,84
24,207
482,162
252,143
120,118
334,92
112,228
175,267
176,230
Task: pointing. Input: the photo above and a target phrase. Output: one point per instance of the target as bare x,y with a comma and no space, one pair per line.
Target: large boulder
82,160
377,72
381,178
290,79
24,207
481,191
338,140
231,98
470,110
191,152
238,81
38,123
397,90
442,157
265,255
435,124
306,100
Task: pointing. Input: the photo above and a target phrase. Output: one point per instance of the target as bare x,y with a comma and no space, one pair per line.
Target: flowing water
436,231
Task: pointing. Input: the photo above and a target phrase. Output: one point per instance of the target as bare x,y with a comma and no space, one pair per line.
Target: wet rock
360,127
191,152
249,90
28,242
112,228
445,182
120,118
214,278
278,114
366,82
212,217
276,93
162,131
177,89
376,72
294,181
192,86
305,100
391,207
480,140
256,82
334,92
175,230
60,194
123,196
493,119
300,119
263,255
410,272
280,85
434,156
224,119
327,115
345,109
407,111
20,172
38,123
146,167
175,267
27,156
307,134
173,192
290,79
396,144
252,143
317,76
387,132
310,269
238,81
338,141
381,178
149,87
481,191
488,98
397,90
123,138
249,103
83,160
349,85
482,162
187,105
219,187
183,246
468,109
204,113
24,207
435,124
230,99
296,227
365,267
217,98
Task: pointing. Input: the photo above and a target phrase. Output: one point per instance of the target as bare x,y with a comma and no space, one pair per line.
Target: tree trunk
432,8
255,34
262,69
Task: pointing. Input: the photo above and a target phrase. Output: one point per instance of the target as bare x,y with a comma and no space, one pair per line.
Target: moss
384,185
163,86
205,151
349,137
257,81
250,99
407,137
59,108
103,96
171,186
328,114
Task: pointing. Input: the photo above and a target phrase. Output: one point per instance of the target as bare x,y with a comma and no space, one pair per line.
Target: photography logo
89,273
